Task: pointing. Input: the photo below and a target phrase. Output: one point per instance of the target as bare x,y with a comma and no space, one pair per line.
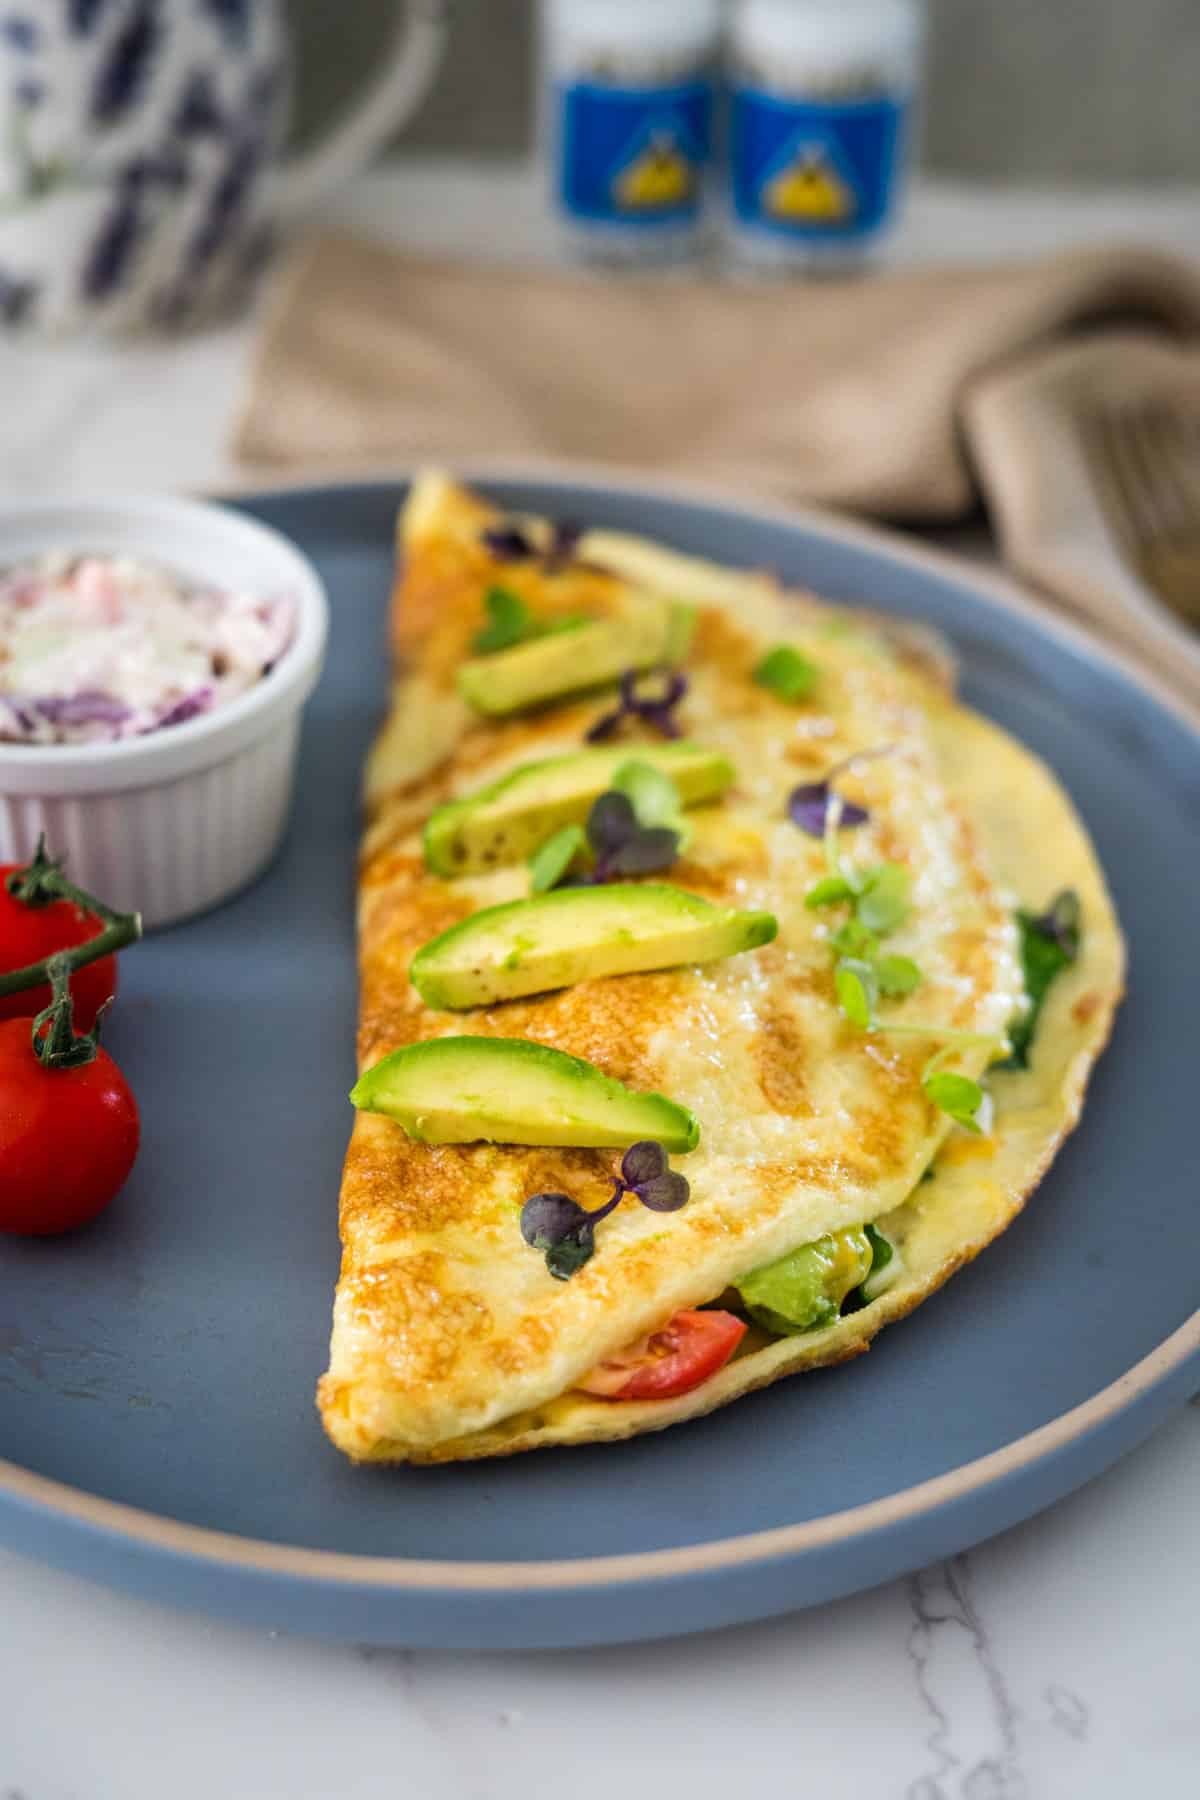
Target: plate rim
141,1529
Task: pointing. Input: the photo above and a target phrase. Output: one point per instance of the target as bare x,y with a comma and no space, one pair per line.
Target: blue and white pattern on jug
142,168
135,139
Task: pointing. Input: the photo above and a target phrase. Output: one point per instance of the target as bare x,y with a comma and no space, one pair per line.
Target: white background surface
1058,1662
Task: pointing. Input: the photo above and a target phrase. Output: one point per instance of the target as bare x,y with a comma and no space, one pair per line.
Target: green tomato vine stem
56,1043
41,883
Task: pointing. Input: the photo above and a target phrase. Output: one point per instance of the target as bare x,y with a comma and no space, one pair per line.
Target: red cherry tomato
690,1347
68,1137
29,933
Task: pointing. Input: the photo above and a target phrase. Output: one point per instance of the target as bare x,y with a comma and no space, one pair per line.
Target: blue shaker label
634,156
818,170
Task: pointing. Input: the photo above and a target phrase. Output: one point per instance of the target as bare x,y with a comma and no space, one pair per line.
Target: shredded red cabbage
89,707
190,707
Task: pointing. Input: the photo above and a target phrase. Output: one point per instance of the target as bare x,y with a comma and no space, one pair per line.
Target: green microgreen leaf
828,891
883,901
896,974
566,1258
1049,944
855,984
509,622
551,860
957,1095
853,939
654,797
787,672
882,1251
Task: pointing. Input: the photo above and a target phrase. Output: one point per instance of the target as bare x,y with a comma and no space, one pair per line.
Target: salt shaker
628,97
821,126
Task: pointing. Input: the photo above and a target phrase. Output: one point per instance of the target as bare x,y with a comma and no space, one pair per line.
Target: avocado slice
506,821
577,934
805,1289
568,662
458,1090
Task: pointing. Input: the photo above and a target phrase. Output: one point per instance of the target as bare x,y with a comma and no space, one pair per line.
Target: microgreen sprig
509,542
786,672
635,828
552,860
967,1102
651,698
566,1231
510,622
811,804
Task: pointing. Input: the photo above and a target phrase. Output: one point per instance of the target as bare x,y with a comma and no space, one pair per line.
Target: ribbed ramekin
172,822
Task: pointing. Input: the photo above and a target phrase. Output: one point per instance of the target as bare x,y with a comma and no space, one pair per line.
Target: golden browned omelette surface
450,1337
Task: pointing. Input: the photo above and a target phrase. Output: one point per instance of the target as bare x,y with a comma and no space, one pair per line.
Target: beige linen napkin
904,395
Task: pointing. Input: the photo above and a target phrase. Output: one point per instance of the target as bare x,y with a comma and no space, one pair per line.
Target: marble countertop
1055,1663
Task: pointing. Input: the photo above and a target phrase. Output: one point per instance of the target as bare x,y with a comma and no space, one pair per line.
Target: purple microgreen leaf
511,543
605,726
808,807
611,823
655,707
643,1162
552,860
665,1193
642,854
546,1219
565,1231
508,543
662,719
564,541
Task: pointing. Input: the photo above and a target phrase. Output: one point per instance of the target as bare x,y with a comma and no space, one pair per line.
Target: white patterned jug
142,170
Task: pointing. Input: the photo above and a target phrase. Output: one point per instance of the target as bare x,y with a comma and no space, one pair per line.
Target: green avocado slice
578,934
506,821
458,1090
805,1289
569,662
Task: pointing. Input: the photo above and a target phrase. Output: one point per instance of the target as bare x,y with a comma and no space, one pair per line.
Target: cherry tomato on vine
33,930
69,1126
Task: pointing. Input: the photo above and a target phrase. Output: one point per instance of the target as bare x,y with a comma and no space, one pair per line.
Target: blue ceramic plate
157,1373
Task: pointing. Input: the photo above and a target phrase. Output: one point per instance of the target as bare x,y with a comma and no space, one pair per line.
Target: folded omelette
846,973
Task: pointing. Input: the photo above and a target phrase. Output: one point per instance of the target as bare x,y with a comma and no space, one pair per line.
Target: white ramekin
172,822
